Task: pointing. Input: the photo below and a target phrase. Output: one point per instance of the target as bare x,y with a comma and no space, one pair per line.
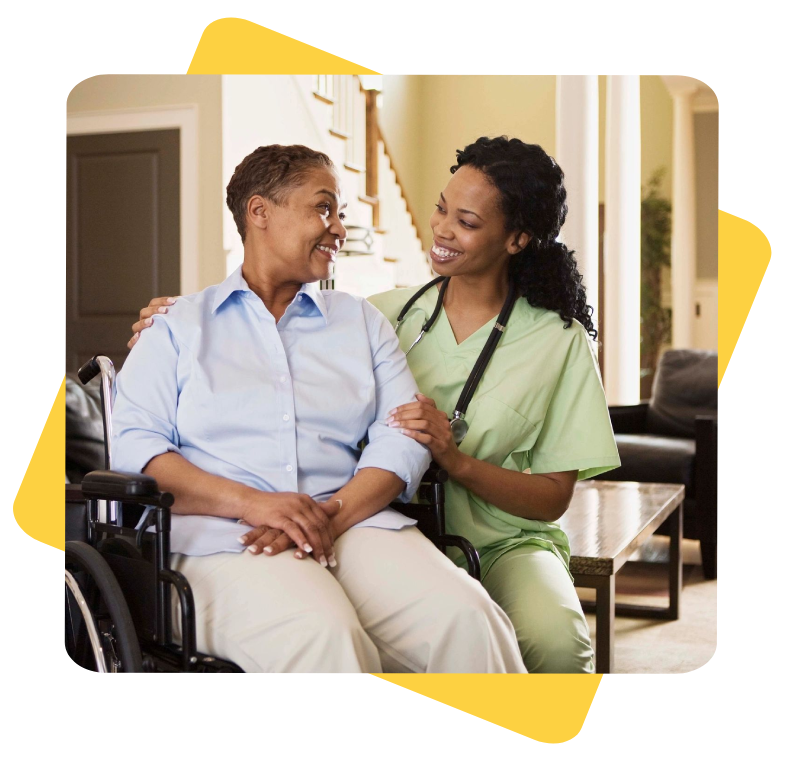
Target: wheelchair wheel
100,634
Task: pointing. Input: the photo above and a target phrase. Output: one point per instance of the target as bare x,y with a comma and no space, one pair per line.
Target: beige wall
115,92
706,139
449,112
400,120
424,119
657,114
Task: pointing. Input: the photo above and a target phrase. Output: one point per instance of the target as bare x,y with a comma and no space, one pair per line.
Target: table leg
604,639
675,562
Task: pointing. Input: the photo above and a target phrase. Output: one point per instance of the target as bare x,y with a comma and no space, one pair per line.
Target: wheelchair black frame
117,488
162,653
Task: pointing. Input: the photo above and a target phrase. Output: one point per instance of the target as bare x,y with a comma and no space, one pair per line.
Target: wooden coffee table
606,522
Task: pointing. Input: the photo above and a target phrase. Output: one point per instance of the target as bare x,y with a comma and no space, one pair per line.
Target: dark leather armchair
673,438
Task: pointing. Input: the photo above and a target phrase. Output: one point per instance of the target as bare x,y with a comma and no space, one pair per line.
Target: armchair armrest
629,418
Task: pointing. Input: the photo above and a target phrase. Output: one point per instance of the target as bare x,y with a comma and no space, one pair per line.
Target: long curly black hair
533,199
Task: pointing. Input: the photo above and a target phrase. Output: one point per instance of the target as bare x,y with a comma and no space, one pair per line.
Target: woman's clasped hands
286,519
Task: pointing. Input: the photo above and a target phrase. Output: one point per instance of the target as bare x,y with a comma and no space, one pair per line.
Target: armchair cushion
686,385
657,459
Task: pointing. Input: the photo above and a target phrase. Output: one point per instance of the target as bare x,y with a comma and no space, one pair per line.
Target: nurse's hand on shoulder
424,422
156,306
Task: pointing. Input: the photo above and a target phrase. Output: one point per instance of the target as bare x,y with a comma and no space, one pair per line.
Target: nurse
537,420
506,350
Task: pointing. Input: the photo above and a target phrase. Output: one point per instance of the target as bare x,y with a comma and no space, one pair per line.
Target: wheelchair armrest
429,514
435,475
630,418
467,548
124,487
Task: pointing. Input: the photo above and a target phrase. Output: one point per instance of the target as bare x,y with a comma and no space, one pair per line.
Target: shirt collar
235,282
313,293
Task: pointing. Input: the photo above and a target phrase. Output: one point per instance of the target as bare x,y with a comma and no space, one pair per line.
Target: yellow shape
236,46
550,708
743,256
39,507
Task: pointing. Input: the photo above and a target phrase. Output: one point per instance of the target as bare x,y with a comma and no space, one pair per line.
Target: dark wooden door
123,236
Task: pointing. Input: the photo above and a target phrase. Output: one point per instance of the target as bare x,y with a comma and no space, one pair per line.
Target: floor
645,646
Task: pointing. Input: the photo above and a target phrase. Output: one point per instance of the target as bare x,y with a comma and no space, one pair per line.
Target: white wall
259,111
263,110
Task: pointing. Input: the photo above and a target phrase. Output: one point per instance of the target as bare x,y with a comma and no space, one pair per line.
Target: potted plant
655,258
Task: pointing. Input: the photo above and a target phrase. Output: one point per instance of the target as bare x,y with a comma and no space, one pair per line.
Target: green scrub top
540,408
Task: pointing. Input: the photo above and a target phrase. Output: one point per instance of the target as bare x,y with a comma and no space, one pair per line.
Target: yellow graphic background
548,708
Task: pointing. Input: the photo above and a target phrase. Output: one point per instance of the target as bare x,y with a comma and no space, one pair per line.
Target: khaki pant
394,603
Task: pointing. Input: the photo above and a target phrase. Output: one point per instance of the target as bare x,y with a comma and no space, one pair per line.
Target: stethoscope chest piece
459,428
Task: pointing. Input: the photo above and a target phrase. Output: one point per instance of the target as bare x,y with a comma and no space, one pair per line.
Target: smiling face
304,234
469,228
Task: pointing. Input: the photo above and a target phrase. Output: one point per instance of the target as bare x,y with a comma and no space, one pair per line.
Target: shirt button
289,468
283,378
286,418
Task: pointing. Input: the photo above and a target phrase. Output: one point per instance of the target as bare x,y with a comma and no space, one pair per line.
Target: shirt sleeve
146,401
576,433
388,449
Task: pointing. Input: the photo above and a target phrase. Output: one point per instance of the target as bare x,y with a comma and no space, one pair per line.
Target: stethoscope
458,424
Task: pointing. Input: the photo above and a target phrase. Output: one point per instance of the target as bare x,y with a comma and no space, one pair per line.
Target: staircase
402,242
390,253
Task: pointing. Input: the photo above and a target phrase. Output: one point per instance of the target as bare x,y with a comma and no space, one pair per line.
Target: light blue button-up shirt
278,406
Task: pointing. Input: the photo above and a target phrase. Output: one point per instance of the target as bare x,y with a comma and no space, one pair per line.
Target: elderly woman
248,401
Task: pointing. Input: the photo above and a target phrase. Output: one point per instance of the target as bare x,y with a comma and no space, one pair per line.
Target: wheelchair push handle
101,365
88,371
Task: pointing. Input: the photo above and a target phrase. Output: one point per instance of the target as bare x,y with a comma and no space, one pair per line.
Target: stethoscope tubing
458,424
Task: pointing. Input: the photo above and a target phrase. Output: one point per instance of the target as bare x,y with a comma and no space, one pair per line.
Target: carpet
645,646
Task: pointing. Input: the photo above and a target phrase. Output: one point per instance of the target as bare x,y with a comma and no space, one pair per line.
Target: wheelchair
119,584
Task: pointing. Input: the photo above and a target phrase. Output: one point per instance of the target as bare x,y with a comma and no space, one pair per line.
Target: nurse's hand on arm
158,305
542,497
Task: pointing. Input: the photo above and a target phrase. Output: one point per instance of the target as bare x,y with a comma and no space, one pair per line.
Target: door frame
181,117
